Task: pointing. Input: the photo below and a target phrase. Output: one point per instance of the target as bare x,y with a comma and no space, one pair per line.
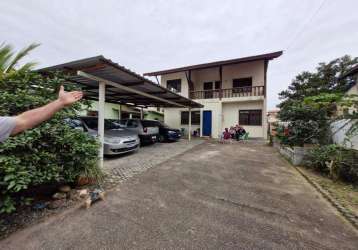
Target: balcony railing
228,93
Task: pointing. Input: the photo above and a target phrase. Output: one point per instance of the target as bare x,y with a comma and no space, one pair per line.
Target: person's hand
68,98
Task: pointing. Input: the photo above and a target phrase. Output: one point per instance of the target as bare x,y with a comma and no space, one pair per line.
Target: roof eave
268,56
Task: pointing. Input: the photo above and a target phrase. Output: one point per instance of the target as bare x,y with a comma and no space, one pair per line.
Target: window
122,122
217,84
208,88
149,123
195,117
174,84
132,124
242,85
75,123
250,117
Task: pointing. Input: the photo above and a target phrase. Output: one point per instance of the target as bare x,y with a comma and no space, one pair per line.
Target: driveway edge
333,201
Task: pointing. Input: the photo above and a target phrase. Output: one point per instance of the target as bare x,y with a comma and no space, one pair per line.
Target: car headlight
171,132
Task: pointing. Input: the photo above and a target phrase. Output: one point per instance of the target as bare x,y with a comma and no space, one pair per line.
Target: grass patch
346,194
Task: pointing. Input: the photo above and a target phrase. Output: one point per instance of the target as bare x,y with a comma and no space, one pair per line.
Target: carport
105,81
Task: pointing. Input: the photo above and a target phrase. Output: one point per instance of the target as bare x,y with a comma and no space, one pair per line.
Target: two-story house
232,92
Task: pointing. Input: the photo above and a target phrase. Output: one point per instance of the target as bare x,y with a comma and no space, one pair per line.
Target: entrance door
208,87
207,123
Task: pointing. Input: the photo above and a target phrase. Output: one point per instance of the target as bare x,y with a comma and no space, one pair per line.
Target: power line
299,32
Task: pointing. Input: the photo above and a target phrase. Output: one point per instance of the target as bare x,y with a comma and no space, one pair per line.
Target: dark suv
167,133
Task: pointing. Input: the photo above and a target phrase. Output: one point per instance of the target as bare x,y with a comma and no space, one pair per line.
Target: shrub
52,152
322,155
338,162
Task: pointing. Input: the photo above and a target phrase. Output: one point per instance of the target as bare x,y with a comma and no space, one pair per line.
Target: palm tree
9,60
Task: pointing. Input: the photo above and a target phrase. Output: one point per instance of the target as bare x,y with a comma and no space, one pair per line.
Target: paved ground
232,196
120,168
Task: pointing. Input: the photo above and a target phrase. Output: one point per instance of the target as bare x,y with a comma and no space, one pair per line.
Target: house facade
340,128
112,111
232,92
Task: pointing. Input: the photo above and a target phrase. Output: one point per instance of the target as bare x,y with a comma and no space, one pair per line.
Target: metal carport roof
90,71
106,81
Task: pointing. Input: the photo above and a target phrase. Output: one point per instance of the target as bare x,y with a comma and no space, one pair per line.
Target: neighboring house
272,120
341,127
154,114
112,111
232,92
353,73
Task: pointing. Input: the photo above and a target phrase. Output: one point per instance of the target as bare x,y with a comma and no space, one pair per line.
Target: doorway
207,117
208,90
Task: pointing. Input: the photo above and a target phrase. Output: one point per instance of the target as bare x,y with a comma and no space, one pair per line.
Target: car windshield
92,123
162,124
149,123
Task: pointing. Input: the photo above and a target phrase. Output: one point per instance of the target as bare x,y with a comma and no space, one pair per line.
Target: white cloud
154,35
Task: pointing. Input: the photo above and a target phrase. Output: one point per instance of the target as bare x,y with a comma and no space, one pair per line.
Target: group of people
233,133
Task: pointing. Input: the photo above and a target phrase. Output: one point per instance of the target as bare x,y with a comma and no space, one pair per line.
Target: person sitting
227,134
232,132
240,131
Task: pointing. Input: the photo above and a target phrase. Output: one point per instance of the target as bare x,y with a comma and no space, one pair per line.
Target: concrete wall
339,132
353,90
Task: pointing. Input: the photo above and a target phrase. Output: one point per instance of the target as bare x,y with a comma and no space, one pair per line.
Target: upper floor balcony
228,93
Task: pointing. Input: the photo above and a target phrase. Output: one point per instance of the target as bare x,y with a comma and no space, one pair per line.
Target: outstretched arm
34,117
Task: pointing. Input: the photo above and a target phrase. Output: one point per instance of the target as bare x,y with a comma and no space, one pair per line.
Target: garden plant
50,153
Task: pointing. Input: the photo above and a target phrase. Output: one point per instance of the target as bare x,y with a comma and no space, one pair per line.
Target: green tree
326,79
309,123
9,60
52,152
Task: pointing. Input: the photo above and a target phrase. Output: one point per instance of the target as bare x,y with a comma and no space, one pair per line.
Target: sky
153,35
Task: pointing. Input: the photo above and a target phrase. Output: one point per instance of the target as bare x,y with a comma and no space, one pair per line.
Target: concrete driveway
232,196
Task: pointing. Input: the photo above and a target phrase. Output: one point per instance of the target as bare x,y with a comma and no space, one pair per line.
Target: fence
339,131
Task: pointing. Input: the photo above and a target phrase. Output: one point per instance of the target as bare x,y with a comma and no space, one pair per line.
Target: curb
349,216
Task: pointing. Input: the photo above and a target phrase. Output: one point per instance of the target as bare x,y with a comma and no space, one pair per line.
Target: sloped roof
268,56
352,71
104,68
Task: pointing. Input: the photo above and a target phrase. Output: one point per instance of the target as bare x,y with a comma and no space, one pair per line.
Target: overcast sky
153,35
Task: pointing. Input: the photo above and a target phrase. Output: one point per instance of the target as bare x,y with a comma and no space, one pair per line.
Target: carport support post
101,101
141,114
189,132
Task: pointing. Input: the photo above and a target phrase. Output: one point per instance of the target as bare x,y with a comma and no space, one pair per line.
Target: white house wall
224,115
215,107
184,82
231,116
225,112
255,69
172,117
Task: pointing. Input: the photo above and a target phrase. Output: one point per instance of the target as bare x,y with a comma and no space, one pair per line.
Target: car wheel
161,138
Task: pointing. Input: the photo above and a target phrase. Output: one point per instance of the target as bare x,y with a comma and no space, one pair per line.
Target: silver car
117,140
147,130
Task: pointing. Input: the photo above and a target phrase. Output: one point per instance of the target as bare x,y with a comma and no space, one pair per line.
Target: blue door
206,123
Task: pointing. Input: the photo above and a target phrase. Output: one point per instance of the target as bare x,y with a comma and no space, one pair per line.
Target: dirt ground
214,196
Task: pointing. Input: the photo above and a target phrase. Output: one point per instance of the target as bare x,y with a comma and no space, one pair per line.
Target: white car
147,130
